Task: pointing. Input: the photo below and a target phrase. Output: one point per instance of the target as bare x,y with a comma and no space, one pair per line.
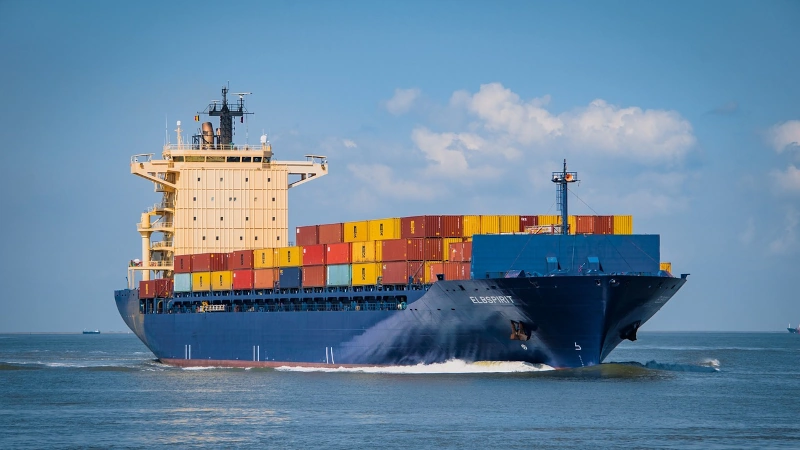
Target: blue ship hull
561,321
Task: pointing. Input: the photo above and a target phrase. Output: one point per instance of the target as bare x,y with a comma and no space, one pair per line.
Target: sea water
666,390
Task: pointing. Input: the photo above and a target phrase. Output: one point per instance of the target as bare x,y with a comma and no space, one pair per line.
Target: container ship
223,283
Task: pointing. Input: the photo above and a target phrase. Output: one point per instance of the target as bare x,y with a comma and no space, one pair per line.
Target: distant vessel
91,331
794,330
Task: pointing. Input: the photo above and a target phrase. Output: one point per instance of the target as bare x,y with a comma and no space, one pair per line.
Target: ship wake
453,366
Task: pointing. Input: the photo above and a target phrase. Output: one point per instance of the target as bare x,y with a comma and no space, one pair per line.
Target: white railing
161,244
160,225
206,147
142,158
161,205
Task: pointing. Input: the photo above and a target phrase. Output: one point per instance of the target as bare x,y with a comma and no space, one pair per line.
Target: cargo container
449,270
290,257
163,287
201,281
265,258
421,226
666,266
584,224
452,226
366,273
446,247
332,233
290,278
603,224
509,224
461,252
338,275
623,224
183,264
383,229
182,282
243,280
208,262
527,221
431,267
394,272
264,278
416,271
308,235
314,255
394,250
490,224
221,280
147,289
338,253
549,220
356,231
424,249
314,276
571,224
471,225
363,252
240,259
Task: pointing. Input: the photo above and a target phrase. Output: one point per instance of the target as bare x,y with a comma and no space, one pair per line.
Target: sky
684,114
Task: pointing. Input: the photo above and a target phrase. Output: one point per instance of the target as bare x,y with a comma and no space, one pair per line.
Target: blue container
290,277
495,256
183,282
339,275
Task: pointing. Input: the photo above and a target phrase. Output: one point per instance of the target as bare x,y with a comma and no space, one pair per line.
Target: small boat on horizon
91,331
794,330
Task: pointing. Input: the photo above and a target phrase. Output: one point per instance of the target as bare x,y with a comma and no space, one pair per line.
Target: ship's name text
493,299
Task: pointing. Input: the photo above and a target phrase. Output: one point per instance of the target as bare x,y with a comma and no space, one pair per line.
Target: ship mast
562,179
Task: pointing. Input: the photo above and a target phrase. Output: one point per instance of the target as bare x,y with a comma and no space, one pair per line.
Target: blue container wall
291,277
183,282
497,254
339,275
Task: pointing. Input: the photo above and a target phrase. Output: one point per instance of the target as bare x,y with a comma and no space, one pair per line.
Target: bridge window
246,159
256,159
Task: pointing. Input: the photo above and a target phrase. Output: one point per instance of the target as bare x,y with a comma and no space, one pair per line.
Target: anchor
518,331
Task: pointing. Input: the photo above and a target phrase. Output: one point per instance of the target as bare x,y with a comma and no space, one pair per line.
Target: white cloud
649,136
785,135
380,180
788,180
786,242
402,101
349,143
450,153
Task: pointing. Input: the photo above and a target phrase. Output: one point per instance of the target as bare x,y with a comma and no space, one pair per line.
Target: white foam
710,362
452,366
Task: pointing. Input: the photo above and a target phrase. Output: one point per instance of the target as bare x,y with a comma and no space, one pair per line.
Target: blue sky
684,114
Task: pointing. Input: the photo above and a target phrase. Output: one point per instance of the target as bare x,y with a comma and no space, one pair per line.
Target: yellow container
666,266
364,252
428,278
221,280
366,273
623,224
471,225
572,221
382,229
490,224
201,281
509,224
356,231
290,256
550,220
446,247
265,258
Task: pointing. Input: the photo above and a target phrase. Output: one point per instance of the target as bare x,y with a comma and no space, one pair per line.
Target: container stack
391,251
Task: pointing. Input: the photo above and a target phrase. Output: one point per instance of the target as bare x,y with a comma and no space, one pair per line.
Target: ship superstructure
221,283
217,196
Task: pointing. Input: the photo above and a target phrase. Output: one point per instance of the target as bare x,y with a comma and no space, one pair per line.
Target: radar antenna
226,113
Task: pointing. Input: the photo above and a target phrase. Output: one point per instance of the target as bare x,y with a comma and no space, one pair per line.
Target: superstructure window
198,178
204,238
194,199
245,179
220,179
194,218
246,218
256,237
220,219
273,219
241,238
268,179
212,199
256,159
273,199
217,237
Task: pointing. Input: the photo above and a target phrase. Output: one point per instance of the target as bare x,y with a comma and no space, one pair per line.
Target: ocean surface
666,390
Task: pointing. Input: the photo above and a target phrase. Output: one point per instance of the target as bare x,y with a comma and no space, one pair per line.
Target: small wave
18,366
454,366
707,366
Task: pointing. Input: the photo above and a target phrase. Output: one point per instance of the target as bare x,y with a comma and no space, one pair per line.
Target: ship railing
161,244
160,225
160,206
142,158
226,147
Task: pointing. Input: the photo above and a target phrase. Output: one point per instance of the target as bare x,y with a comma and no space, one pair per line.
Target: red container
604,224
243,279
421,226
147,289
207,262
527,221
332,233
584,224
394,250
314,255
240,259
337,253
307,235
314,276
264,278
452,226
163,287
416,270
455,271
424,249
183,264
394,272
461,251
